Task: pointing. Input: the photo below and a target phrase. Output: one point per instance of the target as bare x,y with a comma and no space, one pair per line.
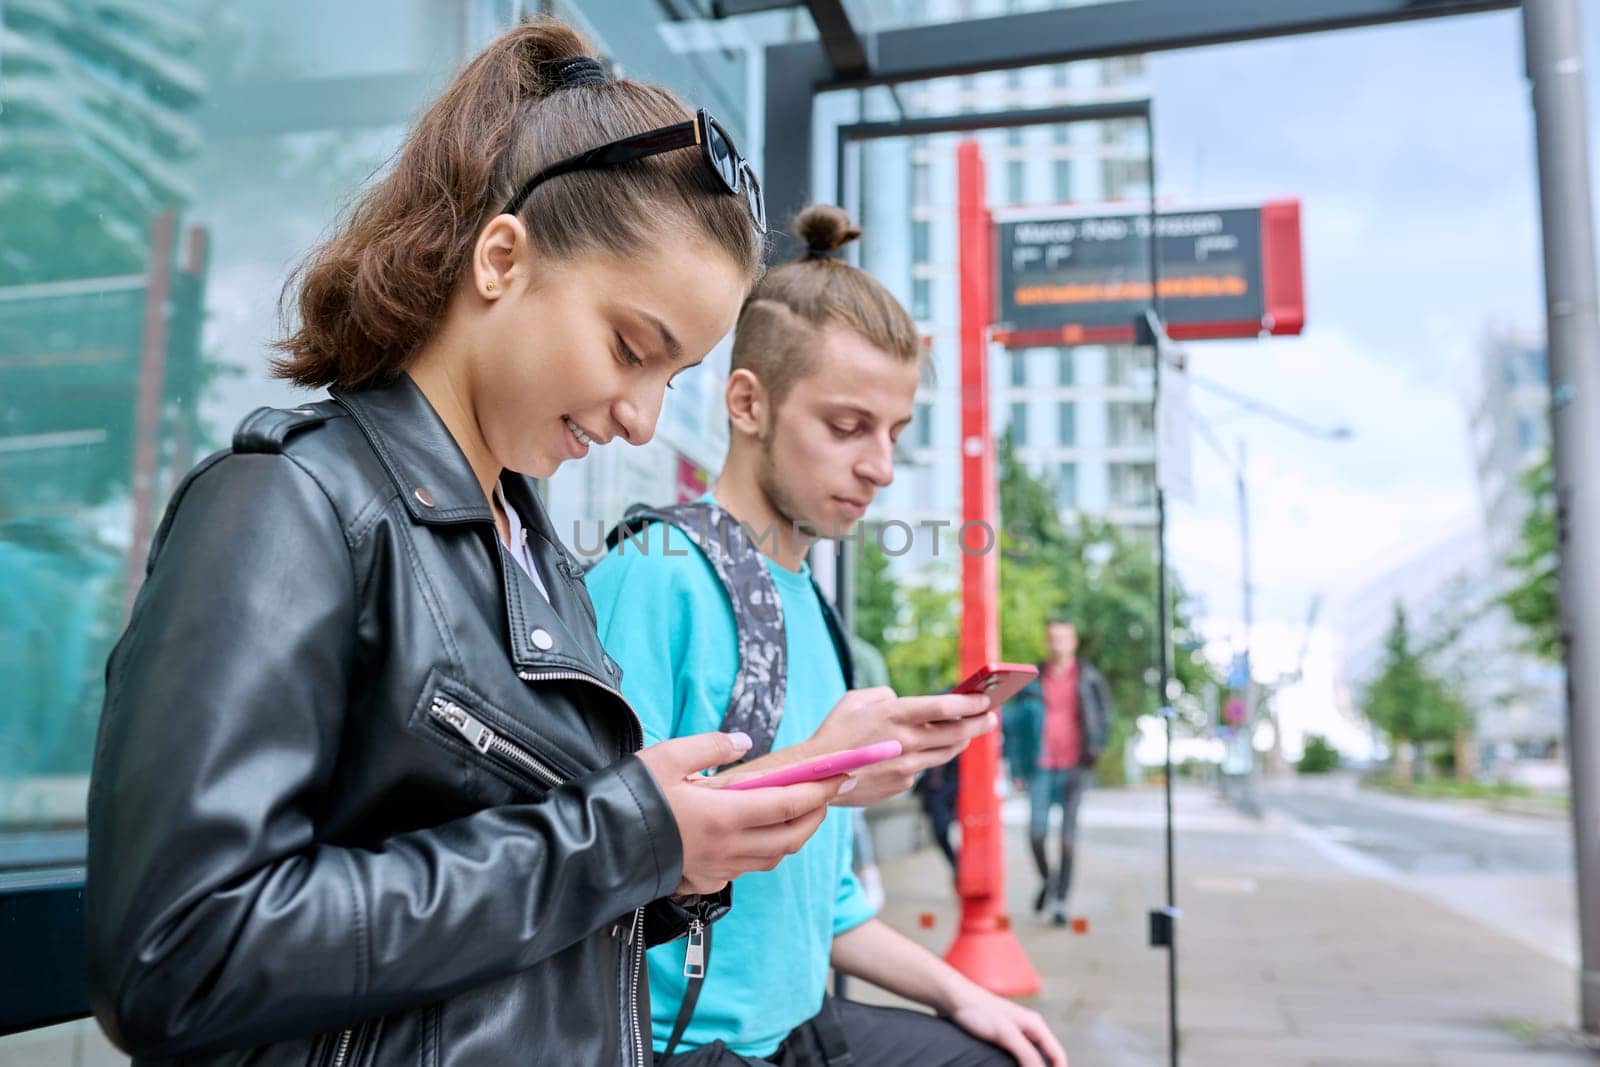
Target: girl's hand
726,834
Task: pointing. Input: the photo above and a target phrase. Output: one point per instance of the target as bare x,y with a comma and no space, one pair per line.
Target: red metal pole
985,950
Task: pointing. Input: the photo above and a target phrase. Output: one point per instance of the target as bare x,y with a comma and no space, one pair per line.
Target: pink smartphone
1001,681
822,767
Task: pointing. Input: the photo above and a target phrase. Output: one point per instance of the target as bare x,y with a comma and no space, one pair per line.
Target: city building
1079,417
1509,426
1440,588
1509,419
1452,586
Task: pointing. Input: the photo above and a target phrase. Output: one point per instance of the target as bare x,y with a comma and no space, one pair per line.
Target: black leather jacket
361,794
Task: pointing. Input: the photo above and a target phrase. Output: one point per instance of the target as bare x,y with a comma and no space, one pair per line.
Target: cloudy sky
1412,151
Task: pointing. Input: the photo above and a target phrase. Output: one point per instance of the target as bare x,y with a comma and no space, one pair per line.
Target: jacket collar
555,630
432,473
438,487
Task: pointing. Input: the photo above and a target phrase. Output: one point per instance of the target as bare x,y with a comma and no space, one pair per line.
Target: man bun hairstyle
824,229
779,334
364,302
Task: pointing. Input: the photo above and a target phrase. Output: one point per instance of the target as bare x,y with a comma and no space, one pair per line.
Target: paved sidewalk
1287,957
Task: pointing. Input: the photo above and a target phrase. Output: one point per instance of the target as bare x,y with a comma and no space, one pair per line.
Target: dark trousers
937,789
941,811
847,1034
1055,788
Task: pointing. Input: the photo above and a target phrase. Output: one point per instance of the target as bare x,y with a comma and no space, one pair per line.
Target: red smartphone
999,681
822,767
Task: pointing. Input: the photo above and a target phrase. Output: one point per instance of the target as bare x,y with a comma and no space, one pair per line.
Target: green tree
1093,573
876,603
1032,545
1103,580
1446,646
1028,508
1407,700
1319,757
1532,601
924,655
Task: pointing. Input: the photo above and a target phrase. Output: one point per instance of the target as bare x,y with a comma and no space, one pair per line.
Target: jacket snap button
541,639
424,497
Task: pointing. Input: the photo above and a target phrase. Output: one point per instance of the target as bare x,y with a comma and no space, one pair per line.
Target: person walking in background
937,790
1055,730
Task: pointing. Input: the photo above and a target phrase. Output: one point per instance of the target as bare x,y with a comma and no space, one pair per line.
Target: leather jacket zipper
581,676
635,935
694,954
481,737
485,740
633,992
342,1052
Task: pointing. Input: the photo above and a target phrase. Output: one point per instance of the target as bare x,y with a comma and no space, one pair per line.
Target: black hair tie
818,252
579,70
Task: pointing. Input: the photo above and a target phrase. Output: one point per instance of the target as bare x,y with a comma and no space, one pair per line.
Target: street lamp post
1555,69
1247,610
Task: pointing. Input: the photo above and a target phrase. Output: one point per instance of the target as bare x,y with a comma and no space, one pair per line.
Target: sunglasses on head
716,148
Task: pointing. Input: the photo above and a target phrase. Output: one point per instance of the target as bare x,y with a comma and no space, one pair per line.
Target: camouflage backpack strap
759,687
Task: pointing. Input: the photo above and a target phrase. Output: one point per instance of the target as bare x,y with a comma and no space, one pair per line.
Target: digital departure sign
1075,276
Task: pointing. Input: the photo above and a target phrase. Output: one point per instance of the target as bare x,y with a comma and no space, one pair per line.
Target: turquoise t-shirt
665,619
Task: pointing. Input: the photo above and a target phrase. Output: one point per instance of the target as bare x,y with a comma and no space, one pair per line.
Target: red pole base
990,954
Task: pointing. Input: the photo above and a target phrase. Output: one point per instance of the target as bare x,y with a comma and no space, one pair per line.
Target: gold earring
491,286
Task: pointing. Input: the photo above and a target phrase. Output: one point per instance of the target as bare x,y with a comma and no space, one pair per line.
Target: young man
1055,732
825,371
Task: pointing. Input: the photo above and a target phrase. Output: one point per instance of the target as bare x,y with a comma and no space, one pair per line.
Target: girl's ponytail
374,293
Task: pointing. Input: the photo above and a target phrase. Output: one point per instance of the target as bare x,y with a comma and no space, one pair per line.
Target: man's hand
932,730
727,834
1016,1029
875,953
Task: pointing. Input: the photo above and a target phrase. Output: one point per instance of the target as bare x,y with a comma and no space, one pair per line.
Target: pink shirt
1061,745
